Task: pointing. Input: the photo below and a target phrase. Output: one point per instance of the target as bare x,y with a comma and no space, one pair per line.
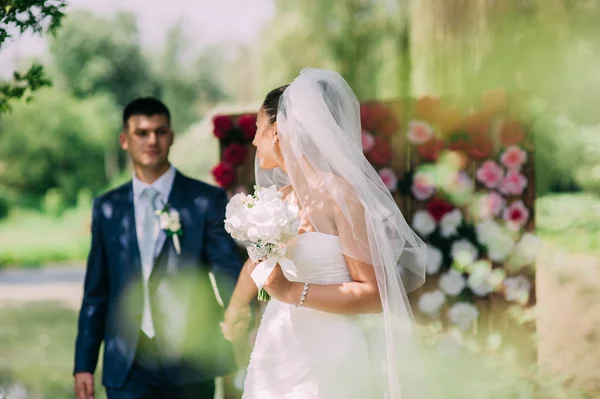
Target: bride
342,328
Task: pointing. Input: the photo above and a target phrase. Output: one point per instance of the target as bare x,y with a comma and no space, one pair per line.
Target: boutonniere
171,224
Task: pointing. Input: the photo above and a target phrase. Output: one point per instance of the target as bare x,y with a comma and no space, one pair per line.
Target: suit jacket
185,311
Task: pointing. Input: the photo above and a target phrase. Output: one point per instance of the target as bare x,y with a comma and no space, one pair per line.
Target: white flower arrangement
430,303
423,223
463,314
267,223
170,222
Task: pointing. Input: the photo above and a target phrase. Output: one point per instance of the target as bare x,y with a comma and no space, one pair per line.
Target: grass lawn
36,350
32,239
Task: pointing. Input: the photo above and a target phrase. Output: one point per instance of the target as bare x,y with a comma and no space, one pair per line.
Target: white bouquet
266,223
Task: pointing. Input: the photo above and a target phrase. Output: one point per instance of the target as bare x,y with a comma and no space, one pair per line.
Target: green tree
349,36
102,55
58,144
18,17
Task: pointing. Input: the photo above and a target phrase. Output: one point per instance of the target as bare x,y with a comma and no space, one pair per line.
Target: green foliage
39,16
102,55
32,239
354,37
570,221
58,144
54,202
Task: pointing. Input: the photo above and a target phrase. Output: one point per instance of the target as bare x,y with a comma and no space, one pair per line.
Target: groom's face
148,140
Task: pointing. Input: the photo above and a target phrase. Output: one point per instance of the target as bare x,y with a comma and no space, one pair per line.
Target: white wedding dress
302,353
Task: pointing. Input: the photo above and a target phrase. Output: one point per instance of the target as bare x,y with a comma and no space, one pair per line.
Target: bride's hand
277,285
235,323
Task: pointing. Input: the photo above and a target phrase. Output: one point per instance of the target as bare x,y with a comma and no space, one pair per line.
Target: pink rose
513,158
389,178
419,132
422,187
490,174
491,205
368,141
513,184
516,215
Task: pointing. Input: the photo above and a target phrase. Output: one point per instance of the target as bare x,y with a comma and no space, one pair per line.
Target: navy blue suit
185,310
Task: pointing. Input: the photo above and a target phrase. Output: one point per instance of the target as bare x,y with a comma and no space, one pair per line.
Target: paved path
61,283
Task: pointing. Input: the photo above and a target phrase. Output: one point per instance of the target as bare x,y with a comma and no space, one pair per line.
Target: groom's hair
147,106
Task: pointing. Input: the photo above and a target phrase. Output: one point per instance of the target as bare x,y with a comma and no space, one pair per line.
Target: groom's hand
84,385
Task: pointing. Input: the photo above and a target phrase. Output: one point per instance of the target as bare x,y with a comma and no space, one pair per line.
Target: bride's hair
271,103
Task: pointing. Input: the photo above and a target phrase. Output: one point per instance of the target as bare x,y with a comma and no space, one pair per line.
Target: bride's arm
237,315
359,296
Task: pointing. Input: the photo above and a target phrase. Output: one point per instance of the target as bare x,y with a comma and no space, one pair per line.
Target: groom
148,291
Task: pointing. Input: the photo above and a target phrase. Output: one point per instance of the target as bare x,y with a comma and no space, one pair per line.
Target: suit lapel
131,231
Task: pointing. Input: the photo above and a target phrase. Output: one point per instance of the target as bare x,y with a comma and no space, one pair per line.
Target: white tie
148,241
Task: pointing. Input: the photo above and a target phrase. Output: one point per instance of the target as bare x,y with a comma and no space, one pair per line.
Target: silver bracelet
303,297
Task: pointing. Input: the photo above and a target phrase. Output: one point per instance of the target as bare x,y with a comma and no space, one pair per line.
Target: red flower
480,148
368,119
460,145
235,154
248,124
512,133
221,123
437,208
381,153
224,174
431,150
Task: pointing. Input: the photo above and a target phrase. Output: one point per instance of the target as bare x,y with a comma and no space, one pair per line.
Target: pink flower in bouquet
419,132
389,178
491,205
224,174
221,124
516,215
513,184
422,186
368,141
490,174
513,158
248,124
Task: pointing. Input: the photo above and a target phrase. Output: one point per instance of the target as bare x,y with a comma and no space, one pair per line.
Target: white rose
434,260
430,303
174,215
463,252
450,222
479,278
487,230
496,279
516,289
174,225
463,314
452,282
500,246
164,221
423,223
